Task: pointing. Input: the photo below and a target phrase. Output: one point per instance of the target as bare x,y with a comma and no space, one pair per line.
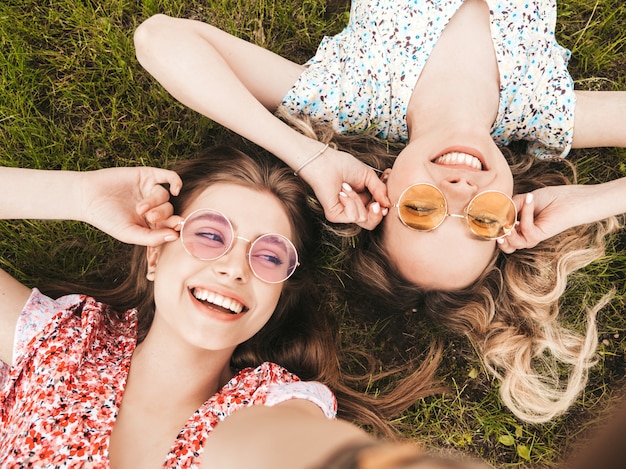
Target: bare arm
225,78
122,202
13,296
240,85
297,435
294,434
119,201
600,119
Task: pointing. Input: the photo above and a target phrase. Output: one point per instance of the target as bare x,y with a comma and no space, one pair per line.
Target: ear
152,254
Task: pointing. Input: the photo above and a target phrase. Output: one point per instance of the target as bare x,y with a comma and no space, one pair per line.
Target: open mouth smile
217,301
456,158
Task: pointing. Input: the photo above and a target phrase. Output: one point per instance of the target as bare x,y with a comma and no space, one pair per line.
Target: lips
456,158
229,305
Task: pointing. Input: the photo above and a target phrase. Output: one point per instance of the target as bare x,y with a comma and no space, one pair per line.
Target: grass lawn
74,97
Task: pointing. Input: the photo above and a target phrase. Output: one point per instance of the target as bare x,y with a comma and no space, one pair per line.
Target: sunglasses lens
207,234
491,215
422,207
273,258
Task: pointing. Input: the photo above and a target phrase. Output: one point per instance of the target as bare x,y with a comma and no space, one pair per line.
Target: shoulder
283,386
73,320
271,384
75,309
38,312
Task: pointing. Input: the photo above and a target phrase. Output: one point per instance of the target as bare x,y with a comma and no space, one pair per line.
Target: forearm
588,203
40,194
230,81
274,435
600,119
288,435
604,200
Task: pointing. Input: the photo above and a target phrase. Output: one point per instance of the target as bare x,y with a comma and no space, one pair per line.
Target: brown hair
301,335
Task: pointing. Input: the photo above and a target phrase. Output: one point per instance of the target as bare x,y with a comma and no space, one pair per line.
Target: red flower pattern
59,402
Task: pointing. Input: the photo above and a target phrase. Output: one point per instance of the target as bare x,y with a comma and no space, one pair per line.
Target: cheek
268,296
394,232
169,276
447,258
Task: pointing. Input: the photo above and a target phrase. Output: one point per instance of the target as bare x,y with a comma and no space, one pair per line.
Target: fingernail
500,240
376,207
169,238
385,211
343,194
529,198
346,187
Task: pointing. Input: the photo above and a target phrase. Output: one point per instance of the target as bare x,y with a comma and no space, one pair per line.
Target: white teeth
218,300
456,158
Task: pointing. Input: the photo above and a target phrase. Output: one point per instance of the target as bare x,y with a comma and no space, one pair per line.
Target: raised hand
349,191
131,204
547,211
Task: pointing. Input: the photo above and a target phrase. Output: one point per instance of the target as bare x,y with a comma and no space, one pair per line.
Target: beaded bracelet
324,148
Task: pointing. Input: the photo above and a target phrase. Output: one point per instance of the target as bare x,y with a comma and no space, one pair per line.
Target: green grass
74,97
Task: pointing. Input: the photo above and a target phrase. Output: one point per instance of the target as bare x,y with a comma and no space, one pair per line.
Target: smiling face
218,304
449,257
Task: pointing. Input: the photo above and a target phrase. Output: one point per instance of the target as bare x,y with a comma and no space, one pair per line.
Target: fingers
157,214
354,210
165,176
150,237
156,199
157,194
351,209
173,222
525,234
164,231
527,215
508,244
375,215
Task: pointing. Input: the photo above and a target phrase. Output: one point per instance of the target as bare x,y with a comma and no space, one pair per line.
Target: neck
163,371
459,86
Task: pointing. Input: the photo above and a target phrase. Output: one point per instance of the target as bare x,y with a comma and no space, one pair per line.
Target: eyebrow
214,217
276,240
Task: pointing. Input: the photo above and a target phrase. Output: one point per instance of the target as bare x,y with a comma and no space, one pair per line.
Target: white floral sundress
362,78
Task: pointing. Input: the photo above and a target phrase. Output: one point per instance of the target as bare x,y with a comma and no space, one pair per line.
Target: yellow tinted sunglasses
489,215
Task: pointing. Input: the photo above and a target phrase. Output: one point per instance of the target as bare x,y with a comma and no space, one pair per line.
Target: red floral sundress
59,401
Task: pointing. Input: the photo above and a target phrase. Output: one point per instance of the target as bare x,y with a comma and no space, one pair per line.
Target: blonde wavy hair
511,313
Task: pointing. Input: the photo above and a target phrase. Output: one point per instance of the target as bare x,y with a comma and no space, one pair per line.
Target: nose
458,190
234,264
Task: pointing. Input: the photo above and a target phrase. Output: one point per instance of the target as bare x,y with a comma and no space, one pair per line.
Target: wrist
311,159
82,188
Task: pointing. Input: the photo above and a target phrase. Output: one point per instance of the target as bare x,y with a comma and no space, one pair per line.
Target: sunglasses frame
232,241
456,215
